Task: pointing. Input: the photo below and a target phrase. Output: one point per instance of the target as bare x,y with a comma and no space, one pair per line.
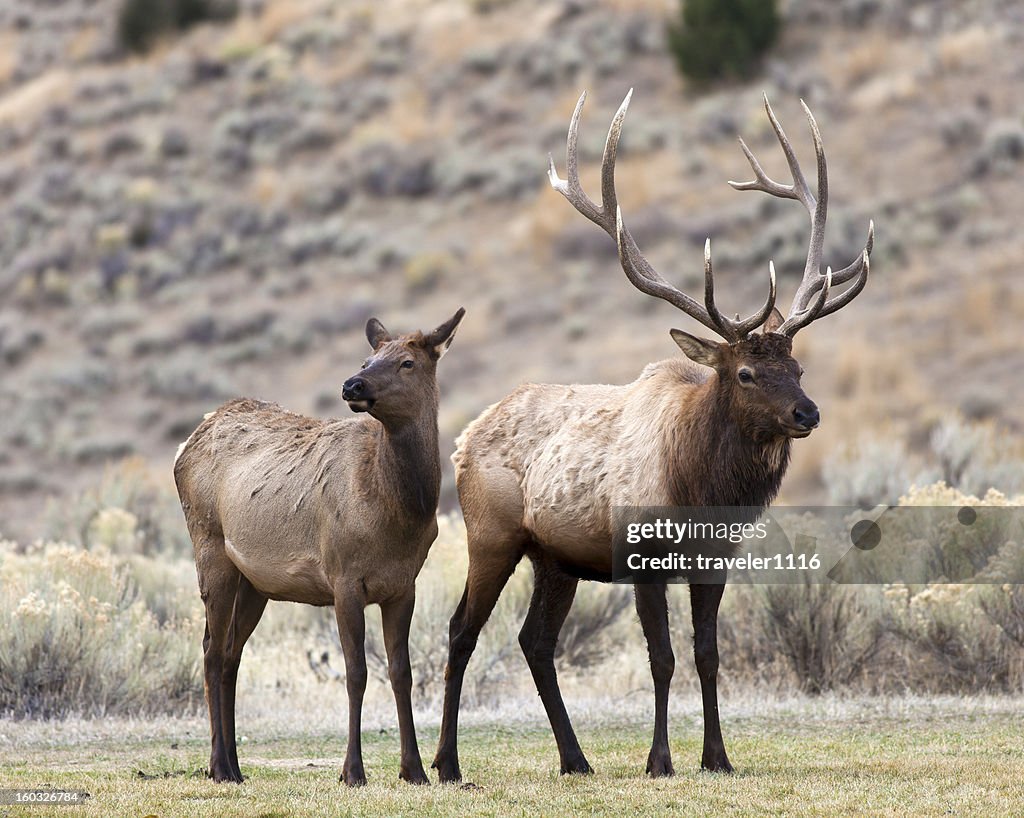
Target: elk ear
438,341
774,321
698,350
376,334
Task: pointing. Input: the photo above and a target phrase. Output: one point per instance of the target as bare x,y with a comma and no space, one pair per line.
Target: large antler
646,279
811,300
637,269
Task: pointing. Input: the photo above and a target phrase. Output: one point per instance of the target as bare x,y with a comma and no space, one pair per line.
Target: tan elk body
285,507
540,472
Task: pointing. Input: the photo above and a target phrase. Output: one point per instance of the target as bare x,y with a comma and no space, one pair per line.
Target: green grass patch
927,763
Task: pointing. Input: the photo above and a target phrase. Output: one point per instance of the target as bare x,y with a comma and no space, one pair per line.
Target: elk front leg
704,601
349,603
396,617
652,607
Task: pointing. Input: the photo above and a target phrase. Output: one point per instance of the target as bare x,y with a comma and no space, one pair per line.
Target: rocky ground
221,217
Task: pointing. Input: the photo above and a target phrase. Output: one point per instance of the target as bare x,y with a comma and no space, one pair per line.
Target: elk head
758,378
399,378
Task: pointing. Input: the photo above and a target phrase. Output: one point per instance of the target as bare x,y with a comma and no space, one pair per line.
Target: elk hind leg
553,594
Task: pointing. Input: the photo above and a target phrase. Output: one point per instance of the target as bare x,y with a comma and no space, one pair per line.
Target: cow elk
539,473
340,513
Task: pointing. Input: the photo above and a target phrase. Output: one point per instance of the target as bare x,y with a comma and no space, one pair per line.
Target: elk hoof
578,766
447,772
718,763
353,777
222,773
416,776
659,765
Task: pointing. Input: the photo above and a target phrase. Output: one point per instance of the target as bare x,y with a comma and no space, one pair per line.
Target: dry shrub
76,637
130,510
829,635
971,457
951,646
816,637
964,638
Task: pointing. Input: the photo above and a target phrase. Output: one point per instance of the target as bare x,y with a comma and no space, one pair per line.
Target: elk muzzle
357,393
805,418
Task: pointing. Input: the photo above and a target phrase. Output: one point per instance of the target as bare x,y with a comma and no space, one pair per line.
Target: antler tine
570,187
850,271
817,208
609,201
797,320
604,215
799,189
850,293
854,268
825,306
728,327
646,279
638,270
814,286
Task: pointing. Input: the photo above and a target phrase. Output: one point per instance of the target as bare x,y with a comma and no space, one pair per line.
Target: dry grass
793,757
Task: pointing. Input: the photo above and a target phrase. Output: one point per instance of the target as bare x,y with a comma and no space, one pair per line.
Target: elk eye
746,376
406,364
366,363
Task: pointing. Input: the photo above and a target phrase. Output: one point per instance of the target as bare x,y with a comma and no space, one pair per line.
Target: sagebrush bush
976,457
972,457
130,510
867,473
965,638
815,637
955,647
76,637
722,39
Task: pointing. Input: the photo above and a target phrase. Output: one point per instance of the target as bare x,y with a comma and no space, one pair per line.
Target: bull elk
539,473
341,513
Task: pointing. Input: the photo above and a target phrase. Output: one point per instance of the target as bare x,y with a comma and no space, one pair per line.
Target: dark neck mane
711,462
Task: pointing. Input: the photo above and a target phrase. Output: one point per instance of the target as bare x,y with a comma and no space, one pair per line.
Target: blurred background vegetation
115,629
204,199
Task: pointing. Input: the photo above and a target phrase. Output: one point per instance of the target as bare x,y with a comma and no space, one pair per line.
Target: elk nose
353,388
806,414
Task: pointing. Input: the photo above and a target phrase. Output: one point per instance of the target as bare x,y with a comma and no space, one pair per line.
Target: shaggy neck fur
712,462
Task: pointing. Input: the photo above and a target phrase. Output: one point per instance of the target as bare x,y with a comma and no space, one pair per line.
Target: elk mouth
797,432
364,405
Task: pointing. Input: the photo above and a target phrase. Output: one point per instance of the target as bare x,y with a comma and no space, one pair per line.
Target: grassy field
801,757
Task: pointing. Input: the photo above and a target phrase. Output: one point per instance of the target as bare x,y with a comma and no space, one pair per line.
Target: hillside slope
221,217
